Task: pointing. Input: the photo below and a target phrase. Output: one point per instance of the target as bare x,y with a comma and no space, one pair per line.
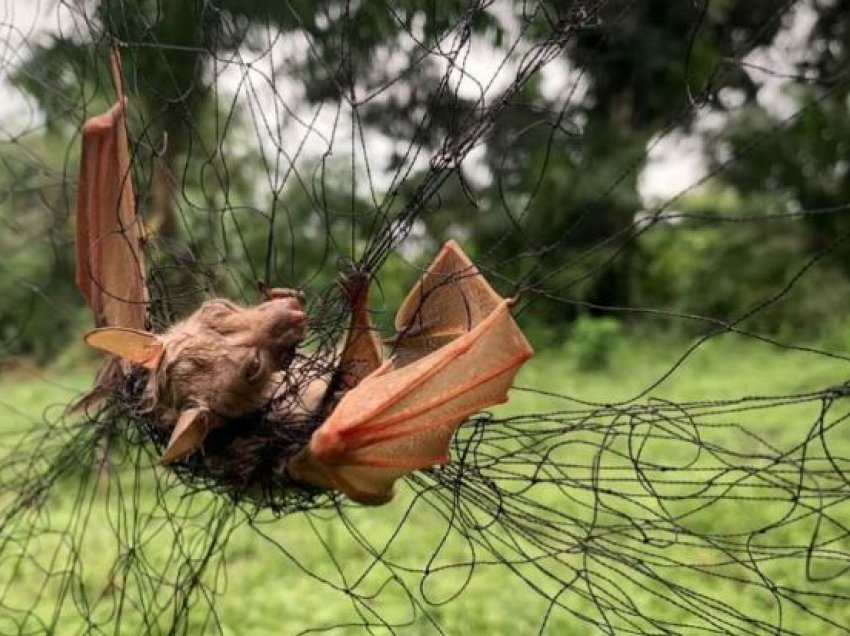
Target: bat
456,352
456,349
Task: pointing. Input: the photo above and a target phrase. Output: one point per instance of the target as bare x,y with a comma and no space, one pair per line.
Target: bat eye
254,369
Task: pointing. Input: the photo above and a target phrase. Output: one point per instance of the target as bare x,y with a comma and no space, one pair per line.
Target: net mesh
286,142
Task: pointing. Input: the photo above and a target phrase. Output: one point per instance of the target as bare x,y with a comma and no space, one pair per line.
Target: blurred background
665,186
675,160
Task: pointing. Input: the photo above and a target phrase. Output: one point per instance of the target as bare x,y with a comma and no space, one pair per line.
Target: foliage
593,342
560,214
496,602
39,305
715,272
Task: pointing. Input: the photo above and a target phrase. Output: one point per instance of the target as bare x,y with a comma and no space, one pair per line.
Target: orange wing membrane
109,260
457,352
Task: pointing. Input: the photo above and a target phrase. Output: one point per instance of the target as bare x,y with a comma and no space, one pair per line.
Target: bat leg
108,377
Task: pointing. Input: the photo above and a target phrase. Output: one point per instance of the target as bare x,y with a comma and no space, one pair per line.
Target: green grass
264,591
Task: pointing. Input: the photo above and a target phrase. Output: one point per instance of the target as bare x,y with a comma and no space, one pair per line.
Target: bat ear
139,347
188,434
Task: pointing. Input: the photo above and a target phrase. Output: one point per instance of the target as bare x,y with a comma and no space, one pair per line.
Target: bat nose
281,305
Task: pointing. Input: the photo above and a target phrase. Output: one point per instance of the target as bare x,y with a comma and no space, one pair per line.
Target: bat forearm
361,352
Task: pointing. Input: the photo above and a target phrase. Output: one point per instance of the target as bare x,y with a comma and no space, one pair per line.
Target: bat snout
287,303
282,325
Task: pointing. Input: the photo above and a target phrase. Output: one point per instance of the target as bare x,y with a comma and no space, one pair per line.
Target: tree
564,197
560,212
647,67
801,160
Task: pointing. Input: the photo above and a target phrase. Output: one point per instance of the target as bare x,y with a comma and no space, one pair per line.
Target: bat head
222,362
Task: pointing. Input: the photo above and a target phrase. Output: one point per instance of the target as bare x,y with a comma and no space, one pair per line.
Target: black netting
623,489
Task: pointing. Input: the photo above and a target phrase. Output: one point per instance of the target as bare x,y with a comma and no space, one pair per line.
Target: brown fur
228,358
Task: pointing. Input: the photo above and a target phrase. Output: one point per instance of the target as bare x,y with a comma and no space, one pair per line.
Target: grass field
265,592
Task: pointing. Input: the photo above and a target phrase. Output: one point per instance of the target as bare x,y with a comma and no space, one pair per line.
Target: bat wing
402,417
447,302
109,261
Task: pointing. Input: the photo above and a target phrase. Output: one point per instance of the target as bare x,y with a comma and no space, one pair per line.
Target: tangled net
590,513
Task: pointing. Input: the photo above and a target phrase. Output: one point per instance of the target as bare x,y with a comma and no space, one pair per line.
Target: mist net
662,188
